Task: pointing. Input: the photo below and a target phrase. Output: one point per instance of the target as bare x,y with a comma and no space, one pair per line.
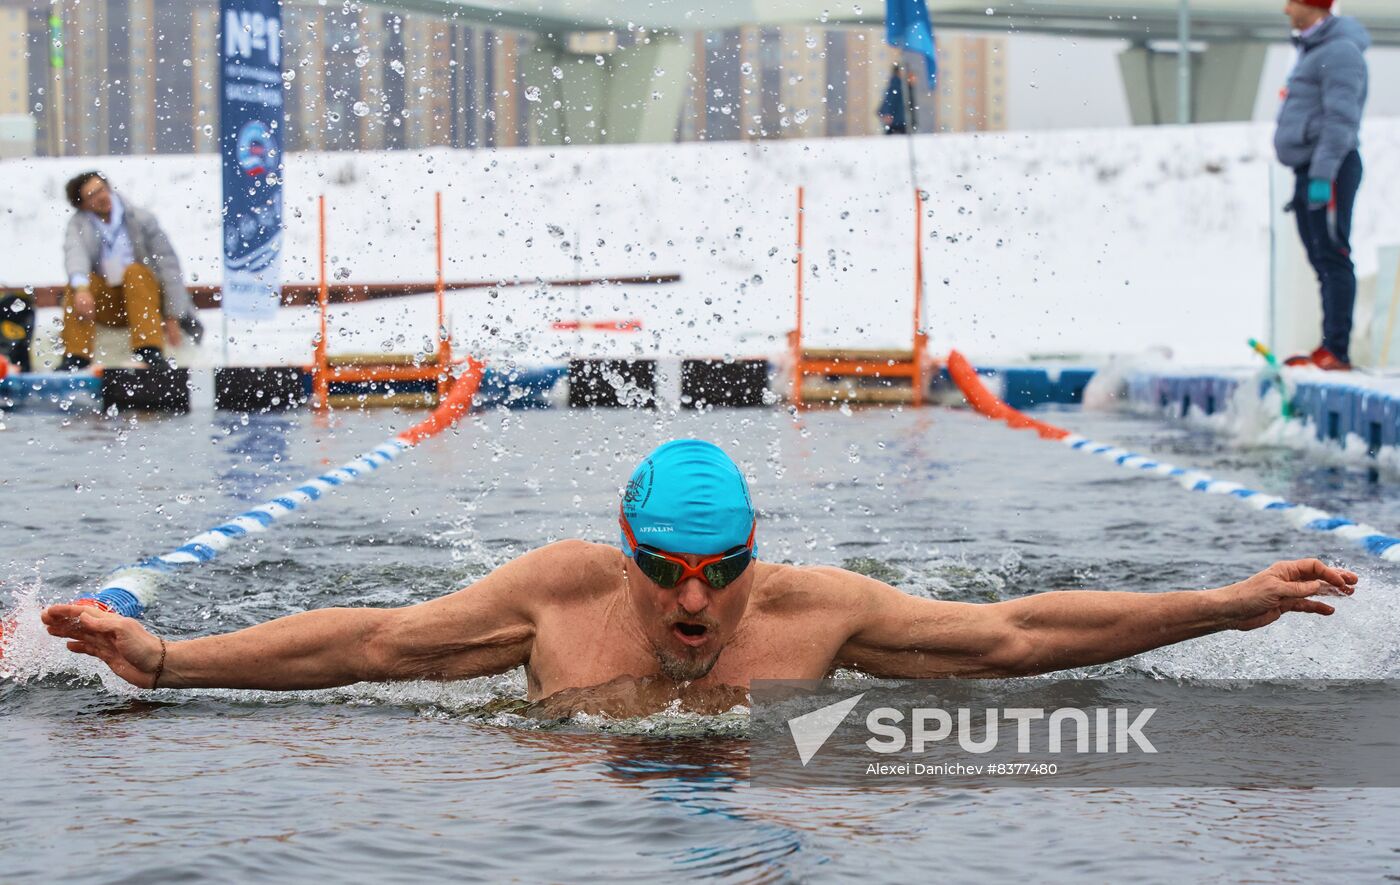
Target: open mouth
690,633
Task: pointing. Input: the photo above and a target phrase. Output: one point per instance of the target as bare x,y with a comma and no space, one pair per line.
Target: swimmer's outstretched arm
895,634
482,629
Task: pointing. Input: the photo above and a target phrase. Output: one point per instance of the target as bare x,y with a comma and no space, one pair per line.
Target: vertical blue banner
250,140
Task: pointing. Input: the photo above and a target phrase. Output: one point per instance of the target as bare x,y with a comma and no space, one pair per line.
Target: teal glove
1319,193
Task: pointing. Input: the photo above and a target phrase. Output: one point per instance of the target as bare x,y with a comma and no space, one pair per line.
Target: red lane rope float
987,403
457,403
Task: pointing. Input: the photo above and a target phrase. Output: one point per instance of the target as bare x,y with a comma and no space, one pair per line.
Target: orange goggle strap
710,560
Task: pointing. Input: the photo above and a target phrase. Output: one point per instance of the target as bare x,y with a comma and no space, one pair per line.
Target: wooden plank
842,353
300,294
867,369
381,359
816,392
382,373
424,400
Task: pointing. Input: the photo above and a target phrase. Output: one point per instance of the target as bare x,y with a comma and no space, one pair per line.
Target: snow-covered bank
1037,243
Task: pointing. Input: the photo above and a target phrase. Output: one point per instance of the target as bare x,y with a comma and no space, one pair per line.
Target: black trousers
1326,234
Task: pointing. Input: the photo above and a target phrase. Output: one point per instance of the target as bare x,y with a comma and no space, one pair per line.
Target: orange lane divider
457,404
987,403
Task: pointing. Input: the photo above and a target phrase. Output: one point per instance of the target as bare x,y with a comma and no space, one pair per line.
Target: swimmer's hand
120,643
1283,587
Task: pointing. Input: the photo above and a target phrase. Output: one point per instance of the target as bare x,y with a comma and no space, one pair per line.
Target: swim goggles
667,569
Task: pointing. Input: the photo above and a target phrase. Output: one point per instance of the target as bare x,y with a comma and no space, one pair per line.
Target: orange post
444,348
393,368
856,364
919,337
796,394
321,387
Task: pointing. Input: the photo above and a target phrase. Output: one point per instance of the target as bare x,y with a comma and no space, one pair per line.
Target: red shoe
1327,361
1322,358
1304,359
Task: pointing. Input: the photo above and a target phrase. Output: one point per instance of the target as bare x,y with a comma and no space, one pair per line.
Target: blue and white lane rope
129,590
1302,517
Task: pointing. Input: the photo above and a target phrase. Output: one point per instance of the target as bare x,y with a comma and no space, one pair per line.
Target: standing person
893,111
1317,137
122,271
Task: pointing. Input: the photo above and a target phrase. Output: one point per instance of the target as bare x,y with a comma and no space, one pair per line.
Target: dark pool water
422,781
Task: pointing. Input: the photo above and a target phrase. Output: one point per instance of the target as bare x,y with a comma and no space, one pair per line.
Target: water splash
1358,642
32,655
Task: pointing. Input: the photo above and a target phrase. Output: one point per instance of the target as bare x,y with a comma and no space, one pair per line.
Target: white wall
1100,241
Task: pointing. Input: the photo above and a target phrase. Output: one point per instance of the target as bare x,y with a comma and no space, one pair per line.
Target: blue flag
250,139
907,27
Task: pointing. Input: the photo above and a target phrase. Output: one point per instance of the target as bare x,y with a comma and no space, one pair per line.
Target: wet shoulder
575,570
791,589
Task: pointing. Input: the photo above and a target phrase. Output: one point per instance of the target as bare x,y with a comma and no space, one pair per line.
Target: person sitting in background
122,271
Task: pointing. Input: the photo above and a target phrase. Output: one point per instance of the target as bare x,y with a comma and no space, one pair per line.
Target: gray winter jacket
82,254
1318,123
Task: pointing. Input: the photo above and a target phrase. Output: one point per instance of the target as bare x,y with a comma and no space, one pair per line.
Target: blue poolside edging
61,390
519,388
1336,411
1024,387
1178,395
1333,410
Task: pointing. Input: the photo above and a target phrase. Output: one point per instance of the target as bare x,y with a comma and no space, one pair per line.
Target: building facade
140,76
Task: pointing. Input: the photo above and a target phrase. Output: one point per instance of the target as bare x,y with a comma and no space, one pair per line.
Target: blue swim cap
688,496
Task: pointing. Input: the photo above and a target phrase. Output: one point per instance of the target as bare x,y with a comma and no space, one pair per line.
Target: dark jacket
1321,115
894,104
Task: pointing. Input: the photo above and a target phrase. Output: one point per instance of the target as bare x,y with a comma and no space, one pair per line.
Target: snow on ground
1080,243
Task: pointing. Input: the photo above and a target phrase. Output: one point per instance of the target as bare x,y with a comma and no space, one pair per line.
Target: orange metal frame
913,369
323,373
320,382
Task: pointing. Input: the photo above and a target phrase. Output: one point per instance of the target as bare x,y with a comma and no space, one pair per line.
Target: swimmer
686,610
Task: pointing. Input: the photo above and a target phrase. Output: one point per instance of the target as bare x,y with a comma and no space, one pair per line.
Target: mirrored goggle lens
659,569
727,571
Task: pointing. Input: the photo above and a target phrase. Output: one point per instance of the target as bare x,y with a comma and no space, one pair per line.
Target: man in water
685,610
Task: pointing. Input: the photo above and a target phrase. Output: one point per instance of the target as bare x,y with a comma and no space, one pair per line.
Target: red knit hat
1317,4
